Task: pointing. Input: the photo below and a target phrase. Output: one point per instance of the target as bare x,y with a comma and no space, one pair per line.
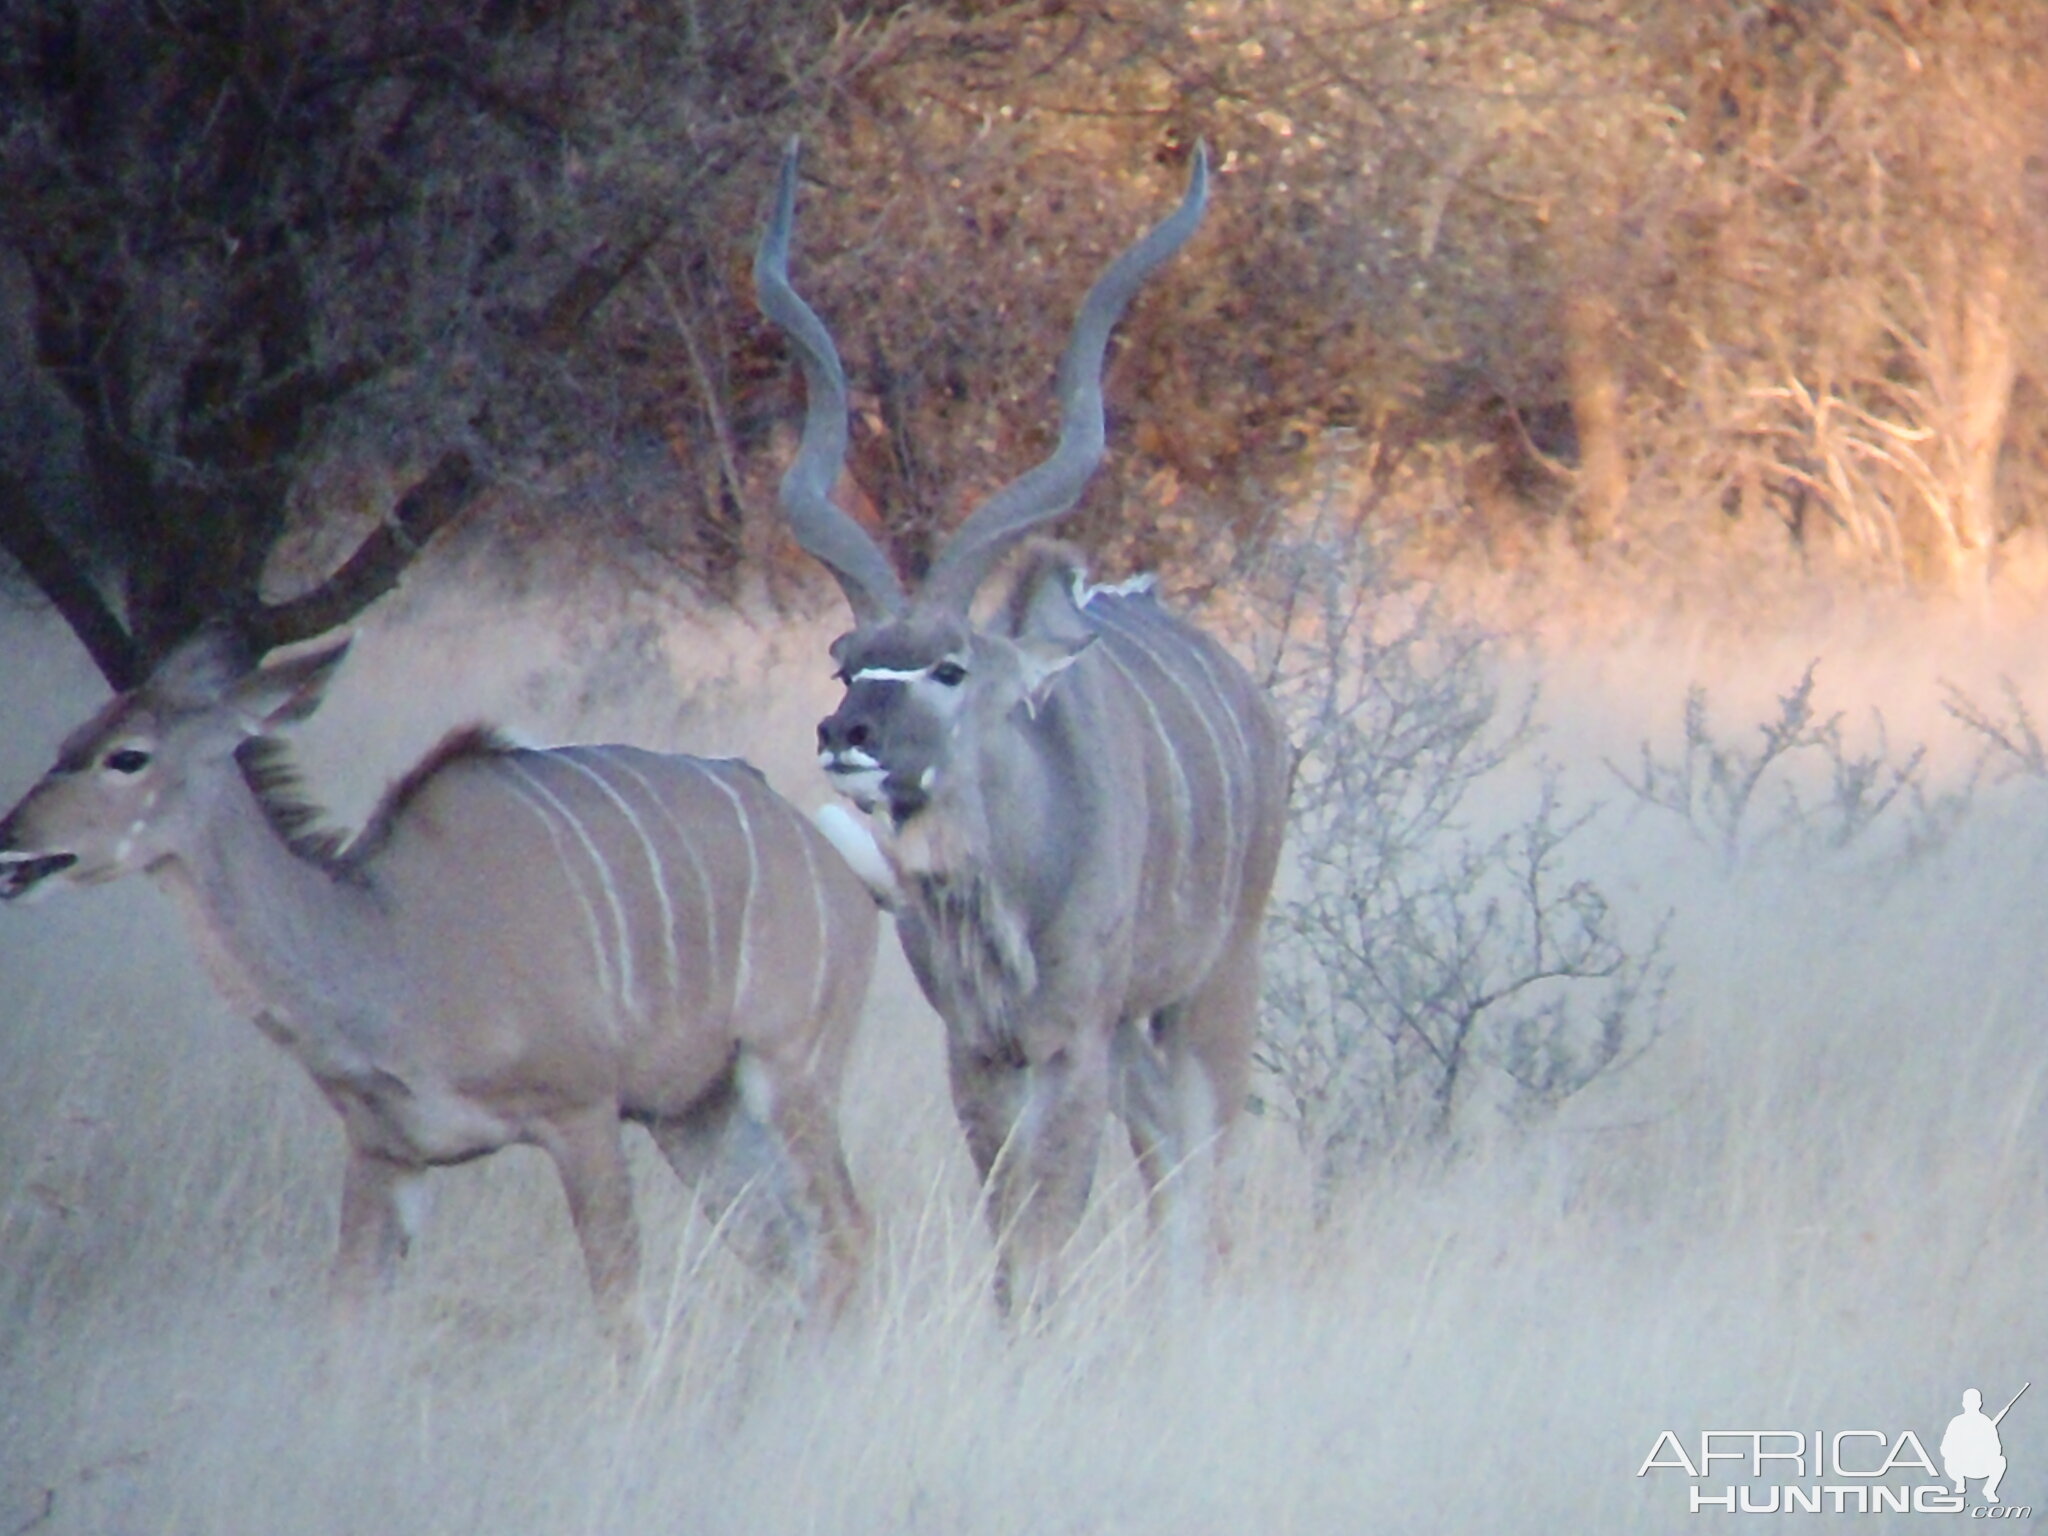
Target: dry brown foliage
1684,280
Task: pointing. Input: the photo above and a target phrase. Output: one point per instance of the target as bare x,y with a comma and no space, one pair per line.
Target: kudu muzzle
856,750
21,869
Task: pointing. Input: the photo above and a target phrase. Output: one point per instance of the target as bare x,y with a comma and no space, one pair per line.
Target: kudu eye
949,674
126,760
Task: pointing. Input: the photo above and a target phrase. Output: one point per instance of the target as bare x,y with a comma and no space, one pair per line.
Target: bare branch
59,576
434,501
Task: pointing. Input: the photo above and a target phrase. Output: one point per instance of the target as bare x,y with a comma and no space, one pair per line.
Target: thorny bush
1422,971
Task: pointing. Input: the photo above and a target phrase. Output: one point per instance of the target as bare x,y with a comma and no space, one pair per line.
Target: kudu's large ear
1045,599
1043,621
1041,658
287,691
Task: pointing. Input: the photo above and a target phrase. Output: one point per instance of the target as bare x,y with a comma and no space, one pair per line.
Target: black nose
836,735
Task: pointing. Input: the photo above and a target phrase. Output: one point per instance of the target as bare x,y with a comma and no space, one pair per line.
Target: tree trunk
1592,262
1595,384
1985,373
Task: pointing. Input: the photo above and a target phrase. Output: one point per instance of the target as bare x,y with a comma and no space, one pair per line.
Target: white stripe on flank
1223,774
604,879
803,840
1199,654
1185,796
688,843
744,972
516,777
657,872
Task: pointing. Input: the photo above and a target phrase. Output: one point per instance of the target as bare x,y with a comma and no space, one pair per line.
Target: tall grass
1819,1202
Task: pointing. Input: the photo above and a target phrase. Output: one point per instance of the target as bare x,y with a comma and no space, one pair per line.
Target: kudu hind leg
732,1166
1145,1104
796,1117
1216,1032
1179,1086
1168,1109
764,1158
590,1158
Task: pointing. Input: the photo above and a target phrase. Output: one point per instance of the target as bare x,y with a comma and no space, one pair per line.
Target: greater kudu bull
1085,801
520,946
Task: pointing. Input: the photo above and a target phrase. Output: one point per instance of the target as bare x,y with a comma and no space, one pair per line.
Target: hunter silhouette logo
1971,1448
1846,1471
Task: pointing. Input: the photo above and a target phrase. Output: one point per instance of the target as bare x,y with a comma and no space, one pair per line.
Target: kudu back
521,946
1083,802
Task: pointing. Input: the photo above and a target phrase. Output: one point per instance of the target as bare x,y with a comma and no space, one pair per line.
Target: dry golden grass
1818,1203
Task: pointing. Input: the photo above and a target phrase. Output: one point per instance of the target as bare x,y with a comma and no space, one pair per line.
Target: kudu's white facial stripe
909,674
889,674
126,846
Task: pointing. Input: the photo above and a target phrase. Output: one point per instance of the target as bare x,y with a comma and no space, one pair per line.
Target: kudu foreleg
1034,1131
374,1236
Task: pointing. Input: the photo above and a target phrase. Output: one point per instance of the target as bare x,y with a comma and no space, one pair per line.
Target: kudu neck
273,924
955,835
946,836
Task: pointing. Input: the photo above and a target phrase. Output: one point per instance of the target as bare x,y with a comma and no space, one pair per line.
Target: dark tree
243,244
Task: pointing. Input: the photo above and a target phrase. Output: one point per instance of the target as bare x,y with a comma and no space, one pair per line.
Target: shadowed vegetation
284,294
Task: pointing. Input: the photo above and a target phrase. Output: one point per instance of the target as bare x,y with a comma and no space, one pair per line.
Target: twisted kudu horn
821,526
1039,495
1050,489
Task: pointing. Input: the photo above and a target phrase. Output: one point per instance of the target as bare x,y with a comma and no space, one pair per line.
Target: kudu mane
1052,571
306,827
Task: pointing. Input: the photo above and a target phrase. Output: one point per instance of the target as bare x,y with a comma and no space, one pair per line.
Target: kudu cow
521,946
1084,802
